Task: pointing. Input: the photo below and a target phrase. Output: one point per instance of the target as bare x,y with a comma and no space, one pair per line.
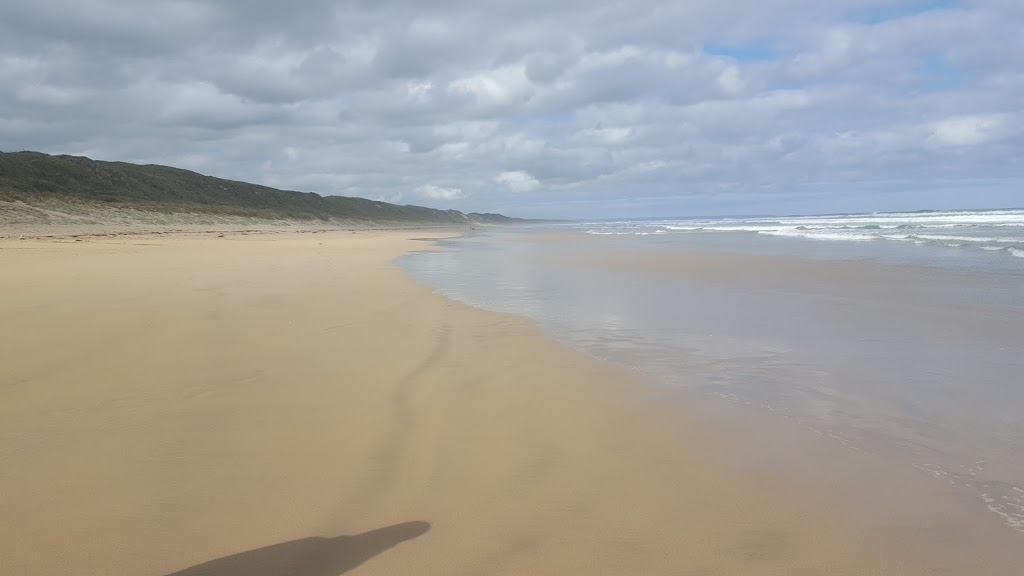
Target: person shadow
310,556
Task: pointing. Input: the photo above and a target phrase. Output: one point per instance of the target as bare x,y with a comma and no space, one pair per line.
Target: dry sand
57,218
293,404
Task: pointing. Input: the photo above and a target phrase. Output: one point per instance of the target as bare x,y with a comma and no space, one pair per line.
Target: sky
554,109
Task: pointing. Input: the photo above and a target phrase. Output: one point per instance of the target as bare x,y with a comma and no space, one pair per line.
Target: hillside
33,178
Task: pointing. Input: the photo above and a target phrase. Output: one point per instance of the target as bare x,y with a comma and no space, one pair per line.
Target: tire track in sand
384,464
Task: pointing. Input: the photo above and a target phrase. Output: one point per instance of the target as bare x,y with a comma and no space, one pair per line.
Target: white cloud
453,150
970,130
647,106
833,51
731,82
517,181
439,192
492,88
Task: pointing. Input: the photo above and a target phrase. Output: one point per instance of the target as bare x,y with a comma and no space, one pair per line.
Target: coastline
173,400
186,226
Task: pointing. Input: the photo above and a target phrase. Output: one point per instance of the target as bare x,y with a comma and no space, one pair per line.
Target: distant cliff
34,176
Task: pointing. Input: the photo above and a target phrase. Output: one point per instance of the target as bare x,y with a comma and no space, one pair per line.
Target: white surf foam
965,229
818,235
994,240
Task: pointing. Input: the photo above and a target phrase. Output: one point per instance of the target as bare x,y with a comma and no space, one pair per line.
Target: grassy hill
33,177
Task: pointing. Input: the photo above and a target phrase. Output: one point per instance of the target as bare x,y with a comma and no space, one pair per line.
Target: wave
943,238
990,231
815,235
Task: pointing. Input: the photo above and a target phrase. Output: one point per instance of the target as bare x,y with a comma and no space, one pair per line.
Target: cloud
494,88
439,192
643,108
517,181
970,130
46,95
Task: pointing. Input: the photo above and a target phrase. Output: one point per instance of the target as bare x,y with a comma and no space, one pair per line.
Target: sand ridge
292,403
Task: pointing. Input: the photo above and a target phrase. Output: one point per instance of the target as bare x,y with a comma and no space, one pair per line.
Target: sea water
990,231
900,334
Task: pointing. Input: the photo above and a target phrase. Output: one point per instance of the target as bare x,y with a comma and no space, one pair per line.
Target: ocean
897,334
999,231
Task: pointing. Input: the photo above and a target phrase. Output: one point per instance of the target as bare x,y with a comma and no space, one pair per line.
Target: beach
292,403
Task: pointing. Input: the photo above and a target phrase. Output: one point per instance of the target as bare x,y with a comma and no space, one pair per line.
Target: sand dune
293,404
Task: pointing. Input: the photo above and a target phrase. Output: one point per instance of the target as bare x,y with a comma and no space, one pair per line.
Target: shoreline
199,399
783,446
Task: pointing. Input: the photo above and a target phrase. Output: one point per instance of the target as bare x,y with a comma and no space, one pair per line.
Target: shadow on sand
310,556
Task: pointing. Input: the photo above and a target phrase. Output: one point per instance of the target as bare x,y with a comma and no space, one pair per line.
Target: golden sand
293,404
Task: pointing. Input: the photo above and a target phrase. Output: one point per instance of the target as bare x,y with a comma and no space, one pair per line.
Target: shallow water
910,351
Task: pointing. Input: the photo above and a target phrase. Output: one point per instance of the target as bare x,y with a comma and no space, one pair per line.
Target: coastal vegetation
35,178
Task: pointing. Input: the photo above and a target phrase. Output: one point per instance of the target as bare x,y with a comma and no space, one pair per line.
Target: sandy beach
293,404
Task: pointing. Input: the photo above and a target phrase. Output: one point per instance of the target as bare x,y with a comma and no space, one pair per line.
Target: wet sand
292,403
